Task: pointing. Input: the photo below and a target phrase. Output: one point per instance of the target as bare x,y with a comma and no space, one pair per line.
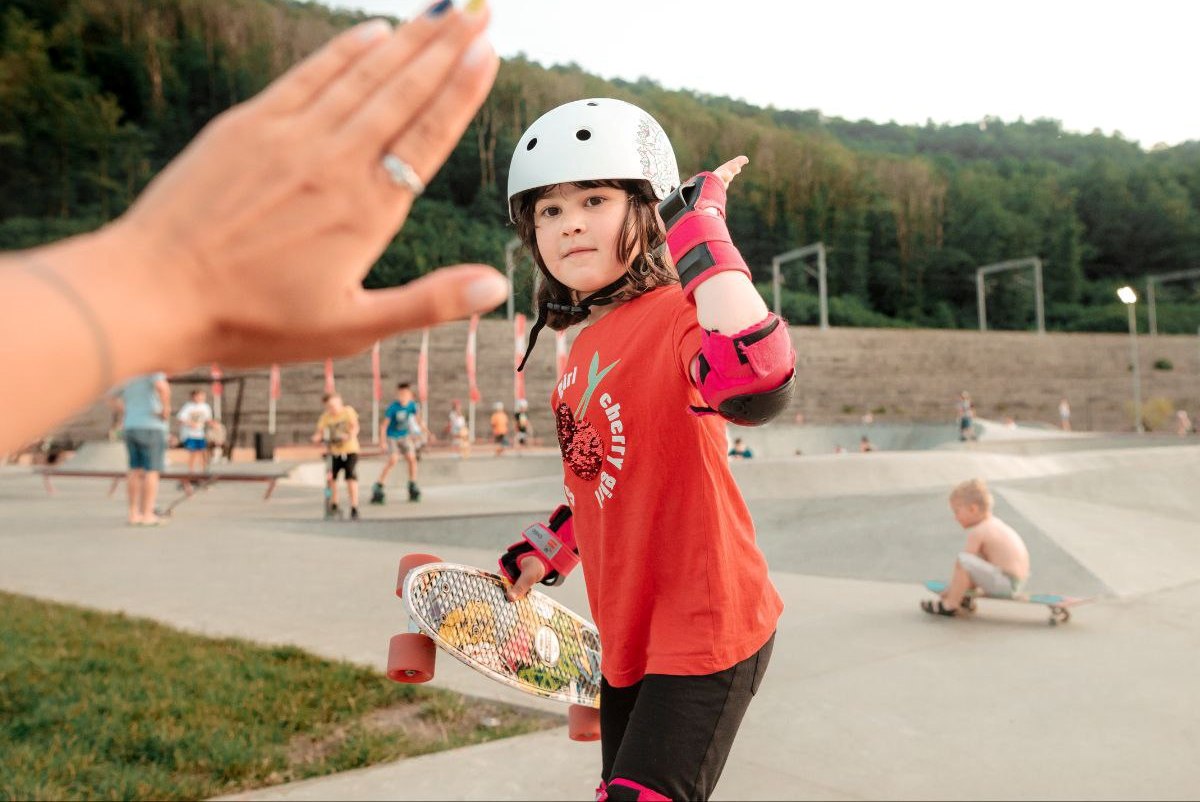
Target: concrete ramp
1134,552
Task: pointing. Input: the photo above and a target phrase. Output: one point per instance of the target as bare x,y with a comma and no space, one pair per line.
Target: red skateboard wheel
411,657
409,562
583,723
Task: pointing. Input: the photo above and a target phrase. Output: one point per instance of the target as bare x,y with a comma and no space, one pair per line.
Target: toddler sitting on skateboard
994,561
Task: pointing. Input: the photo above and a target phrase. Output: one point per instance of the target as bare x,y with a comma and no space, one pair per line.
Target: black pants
672,734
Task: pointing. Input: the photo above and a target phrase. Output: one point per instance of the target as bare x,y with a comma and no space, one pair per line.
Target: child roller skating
400,429
337,429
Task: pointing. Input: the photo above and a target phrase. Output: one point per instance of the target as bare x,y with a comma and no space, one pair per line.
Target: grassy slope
101,706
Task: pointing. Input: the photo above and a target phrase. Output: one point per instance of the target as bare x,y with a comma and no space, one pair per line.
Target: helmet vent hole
532,144
583,135
593,103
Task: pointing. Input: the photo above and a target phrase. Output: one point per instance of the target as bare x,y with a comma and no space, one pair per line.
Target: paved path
867,697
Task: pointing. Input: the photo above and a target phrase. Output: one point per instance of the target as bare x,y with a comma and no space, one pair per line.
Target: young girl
670,349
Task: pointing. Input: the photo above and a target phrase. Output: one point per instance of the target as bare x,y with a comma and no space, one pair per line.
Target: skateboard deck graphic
534,645
1060,612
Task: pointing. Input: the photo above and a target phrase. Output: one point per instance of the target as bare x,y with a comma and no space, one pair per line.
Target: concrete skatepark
867,697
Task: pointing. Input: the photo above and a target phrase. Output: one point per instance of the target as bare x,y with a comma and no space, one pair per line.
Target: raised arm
271,218
746,366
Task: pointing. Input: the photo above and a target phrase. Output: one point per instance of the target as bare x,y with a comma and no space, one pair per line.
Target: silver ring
402,174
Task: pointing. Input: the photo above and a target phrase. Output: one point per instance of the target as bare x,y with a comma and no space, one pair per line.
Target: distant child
401,430
740,450
457,429
499,427
994,560
865,446
523,426
966,416
195,417
338,428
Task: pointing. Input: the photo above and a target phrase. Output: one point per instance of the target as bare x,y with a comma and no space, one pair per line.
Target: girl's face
578,232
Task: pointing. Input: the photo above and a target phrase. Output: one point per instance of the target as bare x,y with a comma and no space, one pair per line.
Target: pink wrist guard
552,544
697,235
748,378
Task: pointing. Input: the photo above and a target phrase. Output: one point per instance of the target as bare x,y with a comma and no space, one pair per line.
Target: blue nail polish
439,8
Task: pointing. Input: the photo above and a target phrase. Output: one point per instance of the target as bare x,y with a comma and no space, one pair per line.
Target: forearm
81,316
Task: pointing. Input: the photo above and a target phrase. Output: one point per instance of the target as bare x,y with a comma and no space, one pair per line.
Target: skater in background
338,427
195,418
994,560
401,431
523,425
499,423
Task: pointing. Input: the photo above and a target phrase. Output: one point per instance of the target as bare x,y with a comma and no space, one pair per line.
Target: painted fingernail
480,49
475,6
375,29
486,293
439,8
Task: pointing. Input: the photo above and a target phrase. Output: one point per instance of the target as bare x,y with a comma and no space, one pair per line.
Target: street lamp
1129,298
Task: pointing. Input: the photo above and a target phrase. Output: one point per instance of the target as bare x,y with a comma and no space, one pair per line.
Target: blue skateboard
1060,612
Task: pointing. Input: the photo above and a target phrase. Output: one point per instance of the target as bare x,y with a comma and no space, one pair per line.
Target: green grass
102,706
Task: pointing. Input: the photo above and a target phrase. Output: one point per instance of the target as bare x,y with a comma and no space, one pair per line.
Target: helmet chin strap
578,311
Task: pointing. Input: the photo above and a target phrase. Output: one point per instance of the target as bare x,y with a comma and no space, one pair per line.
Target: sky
1114,66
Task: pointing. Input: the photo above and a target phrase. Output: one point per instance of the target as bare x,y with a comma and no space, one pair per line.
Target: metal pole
1041,306
980,299
775,282
1137,378
510,269
822,288
1150,311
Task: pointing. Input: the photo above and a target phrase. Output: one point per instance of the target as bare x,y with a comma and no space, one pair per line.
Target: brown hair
640,246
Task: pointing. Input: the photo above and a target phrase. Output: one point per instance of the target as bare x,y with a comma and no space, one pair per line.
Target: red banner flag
330,387
474,390
274,382
217,384
423,369
560,351
519,343
376,383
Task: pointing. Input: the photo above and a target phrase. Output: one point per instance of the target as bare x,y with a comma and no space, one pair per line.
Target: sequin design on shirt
582,449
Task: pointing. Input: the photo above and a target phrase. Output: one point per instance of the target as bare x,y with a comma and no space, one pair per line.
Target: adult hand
532,572
269,220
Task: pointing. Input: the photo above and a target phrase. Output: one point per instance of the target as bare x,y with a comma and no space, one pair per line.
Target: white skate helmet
589,140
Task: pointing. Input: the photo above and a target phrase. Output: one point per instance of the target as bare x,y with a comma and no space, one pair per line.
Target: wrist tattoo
51,277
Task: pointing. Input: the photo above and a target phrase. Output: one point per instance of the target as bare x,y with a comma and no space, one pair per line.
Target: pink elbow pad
748,378
551,543
697,235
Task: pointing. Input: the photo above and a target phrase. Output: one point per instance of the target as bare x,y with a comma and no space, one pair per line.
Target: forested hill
96,95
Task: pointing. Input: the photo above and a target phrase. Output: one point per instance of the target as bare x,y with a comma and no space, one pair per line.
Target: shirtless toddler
994,560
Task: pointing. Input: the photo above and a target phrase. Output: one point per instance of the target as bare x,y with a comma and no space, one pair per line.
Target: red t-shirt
676,582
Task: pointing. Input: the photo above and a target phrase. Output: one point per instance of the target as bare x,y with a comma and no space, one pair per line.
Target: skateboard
534,645
1060,606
